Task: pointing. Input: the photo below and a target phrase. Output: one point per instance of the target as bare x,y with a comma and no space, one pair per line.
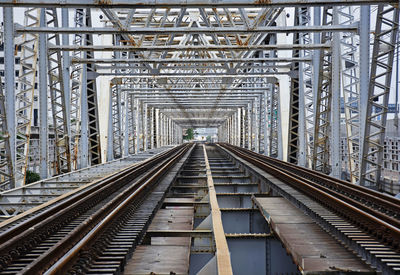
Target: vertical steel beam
365,22
256,125
233,129
6,166
131,119
321,140
350,80
84,126
28,53
66,67
152,127
117,121
137,124
266,122
92,102
279,122
335,102
244,132
126,126
110,137
306,71
43,101
386,28
58,99
9,90
76,84
296,113
239,132
169,131
157,130
311,96
249,126
145,128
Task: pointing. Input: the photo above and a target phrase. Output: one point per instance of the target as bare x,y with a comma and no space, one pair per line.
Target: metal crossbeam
281,47
191,3
189,61
185,30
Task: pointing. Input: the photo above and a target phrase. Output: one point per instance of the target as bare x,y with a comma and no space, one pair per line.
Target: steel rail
113,209
31,221
382,230
385,204
21,238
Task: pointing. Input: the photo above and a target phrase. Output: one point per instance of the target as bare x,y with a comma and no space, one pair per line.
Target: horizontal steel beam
201,110
184,30
194,67
195,98
209,105
199,125
192,48
184,61
191,75
186,3
203,76
184,91
183,101
254,92
168,81
199,119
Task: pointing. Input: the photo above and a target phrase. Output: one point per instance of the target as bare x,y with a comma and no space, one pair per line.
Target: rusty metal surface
311,248
165,254
111,195
364,208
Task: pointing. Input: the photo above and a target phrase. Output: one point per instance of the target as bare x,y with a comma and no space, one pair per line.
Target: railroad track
93,230
367,221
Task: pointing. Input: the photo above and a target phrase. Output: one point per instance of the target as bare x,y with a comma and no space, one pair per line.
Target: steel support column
387,26
336,163
157,130
9,87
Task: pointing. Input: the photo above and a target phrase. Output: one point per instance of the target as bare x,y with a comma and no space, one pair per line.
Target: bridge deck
165,254
312,249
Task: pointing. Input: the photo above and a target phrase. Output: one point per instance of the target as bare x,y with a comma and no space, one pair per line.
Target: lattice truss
173,73
386,30
190,55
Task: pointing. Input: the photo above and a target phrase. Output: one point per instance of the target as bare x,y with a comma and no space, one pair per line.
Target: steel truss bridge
174,65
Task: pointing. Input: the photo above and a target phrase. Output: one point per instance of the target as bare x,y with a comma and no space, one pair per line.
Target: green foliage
208,138
189,134
31,177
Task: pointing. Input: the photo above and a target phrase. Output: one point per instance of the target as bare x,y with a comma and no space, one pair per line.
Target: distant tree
189,134
208,138
31,177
